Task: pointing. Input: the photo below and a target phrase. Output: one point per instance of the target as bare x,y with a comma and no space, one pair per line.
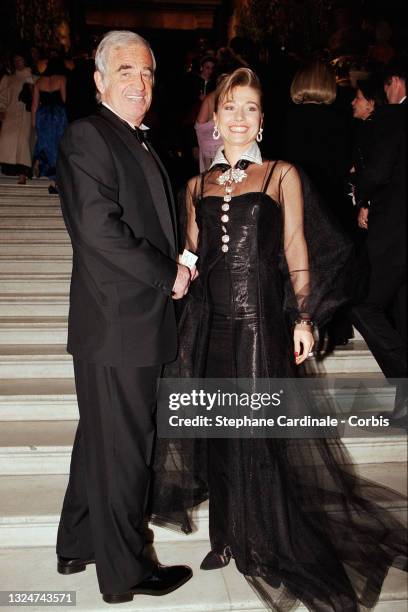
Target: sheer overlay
300,524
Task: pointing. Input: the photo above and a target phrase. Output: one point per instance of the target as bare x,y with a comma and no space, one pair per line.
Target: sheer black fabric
299,523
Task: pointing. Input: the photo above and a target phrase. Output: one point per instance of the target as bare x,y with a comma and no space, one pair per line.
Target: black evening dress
298,522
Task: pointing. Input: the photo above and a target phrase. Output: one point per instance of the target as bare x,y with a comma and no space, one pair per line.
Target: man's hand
362,218
182,282
194,273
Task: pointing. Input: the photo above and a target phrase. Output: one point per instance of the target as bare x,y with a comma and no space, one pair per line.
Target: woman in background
16,135
317,136
227,62
49,118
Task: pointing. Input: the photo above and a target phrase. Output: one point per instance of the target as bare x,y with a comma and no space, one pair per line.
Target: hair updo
242,77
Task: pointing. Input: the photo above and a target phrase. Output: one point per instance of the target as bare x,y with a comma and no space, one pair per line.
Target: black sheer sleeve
316,256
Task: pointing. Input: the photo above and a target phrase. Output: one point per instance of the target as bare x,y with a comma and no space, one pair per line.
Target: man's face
394,88
207,70
362,108
128,83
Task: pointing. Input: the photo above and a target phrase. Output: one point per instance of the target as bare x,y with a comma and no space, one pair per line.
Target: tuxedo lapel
147,161
169,189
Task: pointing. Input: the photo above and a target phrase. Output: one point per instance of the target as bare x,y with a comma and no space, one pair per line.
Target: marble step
351,358
28,209
28,202
225,590
53,399
51,361
34,249
35,361
28,306
26,330
21,235
44,447
38,284
47,264
30,506
38,399
26,319
26,192
32,222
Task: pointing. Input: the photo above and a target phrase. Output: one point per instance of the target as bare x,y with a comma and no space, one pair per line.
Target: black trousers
104,505
387,340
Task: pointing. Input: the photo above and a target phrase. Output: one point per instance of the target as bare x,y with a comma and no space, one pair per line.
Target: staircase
38,415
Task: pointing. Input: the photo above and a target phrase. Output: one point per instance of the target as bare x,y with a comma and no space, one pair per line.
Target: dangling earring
216,133
259,135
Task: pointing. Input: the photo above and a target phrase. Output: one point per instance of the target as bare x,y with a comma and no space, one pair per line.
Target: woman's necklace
227,178
234,175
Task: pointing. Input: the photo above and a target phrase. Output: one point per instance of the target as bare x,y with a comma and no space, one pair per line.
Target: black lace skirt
300,524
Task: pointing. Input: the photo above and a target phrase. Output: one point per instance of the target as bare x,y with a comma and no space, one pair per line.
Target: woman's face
362,108
239,116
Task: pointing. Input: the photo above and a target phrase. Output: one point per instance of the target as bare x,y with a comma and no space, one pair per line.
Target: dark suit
117,206
381,180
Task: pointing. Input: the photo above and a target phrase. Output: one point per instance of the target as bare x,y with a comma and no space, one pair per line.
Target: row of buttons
224,217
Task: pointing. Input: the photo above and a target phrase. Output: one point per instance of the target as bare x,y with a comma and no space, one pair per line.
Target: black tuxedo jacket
117,206
381,179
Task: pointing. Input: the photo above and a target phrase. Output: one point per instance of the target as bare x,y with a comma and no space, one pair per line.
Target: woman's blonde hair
241,77
316,82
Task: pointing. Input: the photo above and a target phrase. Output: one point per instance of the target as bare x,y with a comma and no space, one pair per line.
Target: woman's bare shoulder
280,165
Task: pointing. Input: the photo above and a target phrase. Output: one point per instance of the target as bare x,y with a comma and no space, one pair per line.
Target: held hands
194,273
303,342
182,282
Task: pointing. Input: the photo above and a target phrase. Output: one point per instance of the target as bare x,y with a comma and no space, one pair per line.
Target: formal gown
50,123
298,522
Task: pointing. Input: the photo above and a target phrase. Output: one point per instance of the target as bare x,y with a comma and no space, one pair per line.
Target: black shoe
214,560
52,190
162,581
72,566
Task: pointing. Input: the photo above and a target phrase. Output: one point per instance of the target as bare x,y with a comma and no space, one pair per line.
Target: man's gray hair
117,39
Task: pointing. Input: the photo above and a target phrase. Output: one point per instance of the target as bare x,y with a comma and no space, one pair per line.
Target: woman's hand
303,342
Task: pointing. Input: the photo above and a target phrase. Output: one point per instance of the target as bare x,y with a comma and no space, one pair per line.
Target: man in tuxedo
395,82
380,188
117,205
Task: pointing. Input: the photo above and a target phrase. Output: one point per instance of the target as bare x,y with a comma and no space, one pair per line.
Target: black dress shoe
72,566
163,580
214,560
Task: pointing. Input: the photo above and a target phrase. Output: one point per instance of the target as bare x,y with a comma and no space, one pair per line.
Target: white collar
402,100
141,127
253,155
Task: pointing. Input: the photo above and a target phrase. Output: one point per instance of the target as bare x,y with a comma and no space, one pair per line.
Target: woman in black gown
295,520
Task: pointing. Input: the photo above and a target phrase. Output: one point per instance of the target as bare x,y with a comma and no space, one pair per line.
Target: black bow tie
140,135
242,164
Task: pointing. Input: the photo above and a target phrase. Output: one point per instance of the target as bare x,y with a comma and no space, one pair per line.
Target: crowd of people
274,261
311,235
38,96
184,93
